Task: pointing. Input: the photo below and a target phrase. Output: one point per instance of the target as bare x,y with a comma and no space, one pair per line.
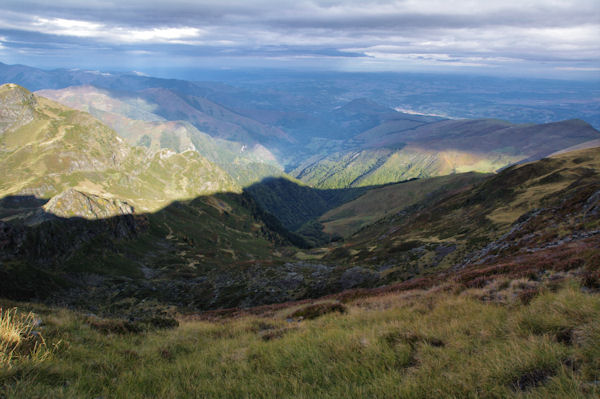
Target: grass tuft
18,340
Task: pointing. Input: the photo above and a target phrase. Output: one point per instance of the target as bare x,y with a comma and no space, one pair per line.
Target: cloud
586,69
102,32
467,33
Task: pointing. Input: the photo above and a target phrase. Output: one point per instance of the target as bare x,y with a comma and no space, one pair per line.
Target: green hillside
378,203
48,148
461,285
137,119
535,205
80,202
394,152
492,290
88,220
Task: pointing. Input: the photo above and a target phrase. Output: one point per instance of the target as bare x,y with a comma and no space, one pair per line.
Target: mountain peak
11,92
16,106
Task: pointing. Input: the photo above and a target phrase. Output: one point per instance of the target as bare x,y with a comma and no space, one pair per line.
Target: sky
545,38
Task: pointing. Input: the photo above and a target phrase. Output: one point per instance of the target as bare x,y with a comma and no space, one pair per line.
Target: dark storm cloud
385,33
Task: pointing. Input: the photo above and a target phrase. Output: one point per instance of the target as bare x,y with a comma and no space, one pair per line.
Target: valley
154,216
140,209
299,199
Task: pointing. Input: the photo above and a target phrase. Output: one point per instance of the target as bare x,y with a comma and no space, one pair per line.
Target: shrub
120,326
160,322
591,279
114,326
270,335
412,339
527,295
532,378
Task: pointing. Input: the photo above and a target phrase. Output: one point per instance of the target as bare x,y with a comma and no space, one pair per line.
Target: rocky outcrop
47,234
74,203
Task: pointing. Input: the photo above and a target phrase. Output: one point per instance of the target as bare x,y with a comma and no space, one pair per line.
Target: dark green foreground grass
421,344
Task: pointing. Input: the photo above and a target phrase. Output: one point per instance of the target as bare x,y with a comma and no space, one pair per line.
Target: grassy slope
439,234
59,147
447,342
379,202
390,153
232,257
136,120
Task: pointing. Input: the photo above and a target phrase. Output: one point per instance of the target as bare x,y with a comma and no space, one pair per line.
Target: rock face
74,203
358,276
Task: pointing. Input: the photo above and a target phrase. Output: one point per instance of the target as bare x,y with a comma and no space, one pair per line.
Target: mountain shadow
210,252
224,250
295,204
298,207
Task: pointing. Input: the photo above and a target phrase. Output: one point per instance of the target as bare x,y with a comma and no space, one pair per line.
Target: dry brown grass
18,339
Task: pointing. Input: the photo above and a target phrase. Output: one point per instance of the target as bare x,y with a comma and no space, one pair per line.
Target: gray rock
358,276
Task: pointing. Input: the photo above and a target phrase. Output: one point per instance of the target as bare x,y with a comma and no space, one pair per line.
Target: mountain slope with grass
394,152
151,246
136,118
377,203
515,315
101,222
508,217
532,337
84,215
49,148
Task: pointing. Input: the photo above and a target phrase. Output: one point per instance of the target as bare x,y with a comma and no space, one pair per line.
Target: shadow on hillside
294,204
224,248
283,205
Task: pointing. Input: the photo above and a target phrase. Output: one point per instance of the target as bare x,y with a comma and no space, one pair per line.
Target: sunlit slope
392,199
392,152
47,148
533,338
542,204
142,121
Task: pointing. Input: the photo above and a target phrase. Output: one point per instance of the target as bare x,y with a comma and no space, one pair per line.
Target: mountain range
129,191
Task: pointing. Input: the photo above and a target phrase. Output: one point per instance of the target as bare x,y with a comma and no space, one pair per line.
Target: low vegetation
20,343
392,199
447,341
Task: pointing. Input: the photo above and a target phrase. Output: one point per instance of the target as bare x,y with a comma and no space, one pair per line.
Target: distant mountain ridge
394,151
155,190
317,126
383,145
90,221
